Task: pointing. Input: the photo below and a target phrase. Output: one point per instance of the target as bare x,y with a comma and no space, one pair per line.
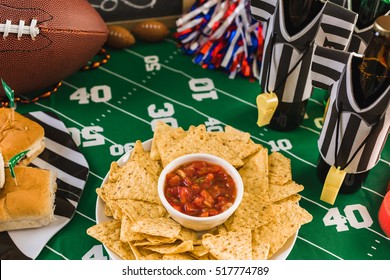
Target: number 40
334,218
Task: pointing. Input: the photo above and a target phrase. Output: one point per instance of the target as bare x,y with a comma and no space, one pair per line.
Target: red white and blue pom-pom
221,34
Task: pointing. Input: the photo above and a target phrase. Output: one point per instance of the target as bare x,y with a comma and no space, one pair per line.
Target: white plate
62,156
281,254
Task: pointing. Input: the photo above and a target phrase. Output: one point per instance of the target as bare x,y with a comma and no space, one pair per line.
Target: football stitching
50,17
20,29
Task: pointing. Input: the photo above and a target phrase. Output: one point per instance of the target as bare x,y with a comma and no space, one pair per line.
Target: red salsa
200,189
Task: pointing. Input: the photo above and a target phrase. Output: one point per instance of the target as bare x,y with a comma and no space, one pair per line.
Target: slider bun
19,135
2,174
30,203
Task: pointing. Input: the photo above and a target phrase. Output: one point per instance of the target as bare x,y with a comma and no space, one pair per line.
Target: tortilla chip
274,234
101,193
152,256
154,240
187,234
126,234
107,211
267,216
198,140
116,211
292,198
135,183
108,233
182,247
164,227
254,173
239,142
207,257
113,172
260,250
199,251
138,210
177,257
232,245
279,230
293,213
254,211
279,192
136,251
164,136
143,158
221,229
279,169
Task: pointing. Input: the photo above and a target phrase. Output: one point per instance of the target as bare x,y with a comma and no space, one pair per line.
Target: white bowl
200,223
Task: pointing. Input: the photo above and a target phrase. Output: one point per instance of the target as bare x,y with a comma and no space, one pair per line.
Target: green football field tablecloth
109,108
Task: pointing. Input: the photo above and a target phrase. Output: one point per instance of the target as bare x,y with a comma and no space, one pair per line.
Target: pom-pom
221,34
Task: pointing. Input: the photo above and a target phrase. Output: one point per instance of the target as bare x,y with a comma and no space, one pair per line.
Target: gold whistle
332,184
266,105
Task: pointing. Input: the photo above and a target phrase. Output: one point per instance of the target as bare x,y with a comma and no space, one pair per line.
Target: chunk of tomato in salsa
200,189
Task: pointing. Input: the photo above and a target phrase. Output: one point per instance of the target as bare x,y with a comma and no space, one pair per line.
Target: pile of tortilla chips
141,229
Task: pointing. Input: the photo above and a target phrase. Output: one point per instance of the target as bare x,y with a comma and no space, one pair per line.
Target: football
44,41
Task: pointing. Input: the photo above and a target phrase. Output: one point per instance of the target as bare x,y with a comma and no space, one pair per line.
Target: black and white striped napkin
62,156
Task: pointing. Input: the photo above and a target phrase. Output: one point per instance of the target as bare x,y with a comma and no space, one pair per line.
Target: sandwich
19,135
2,173
27,201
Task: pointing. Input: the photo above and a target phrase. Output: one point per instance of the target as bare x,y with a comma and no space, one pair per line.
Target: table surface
109,108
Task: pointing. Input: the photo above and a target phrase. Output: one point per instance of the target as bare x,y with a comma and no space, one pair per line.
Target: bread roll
2,174
27,202
20,135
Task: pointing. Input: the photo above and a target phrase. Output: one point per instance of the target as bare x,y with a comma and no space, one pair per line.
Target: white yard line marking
154,92
70,119
175,43
305,161
189,107
316,101
370,190
378,233
387,162
322,249
316,203
60,114
219,90
310,129
190,77
127,113
369,229
192,108
205,115
85,216
56,252
97,176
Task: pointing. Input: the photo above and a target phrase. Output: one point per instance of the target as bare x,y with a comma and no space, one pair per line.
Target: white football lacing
19,29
